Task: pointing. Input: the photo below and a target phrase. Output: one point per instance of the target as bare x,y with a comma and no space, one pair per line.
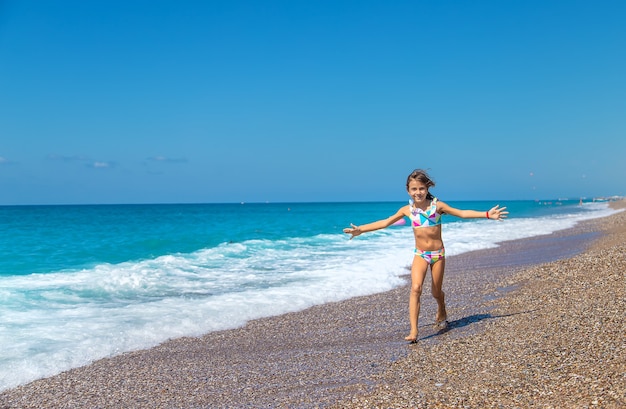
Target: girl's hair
421,176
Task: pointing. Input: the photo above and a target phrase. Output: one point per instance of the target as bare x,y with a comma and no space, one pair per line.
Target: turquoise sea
78,283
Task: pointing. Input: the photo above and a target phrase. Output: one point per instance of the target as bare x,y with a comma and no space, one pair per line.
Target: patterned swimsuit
427,218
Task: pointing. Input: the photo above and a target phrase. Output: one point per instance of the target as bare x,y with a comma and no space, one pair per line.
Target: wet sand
534,323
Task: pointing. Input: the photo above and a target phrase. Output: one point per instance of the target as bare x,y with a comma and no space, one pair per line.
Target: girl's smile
417,191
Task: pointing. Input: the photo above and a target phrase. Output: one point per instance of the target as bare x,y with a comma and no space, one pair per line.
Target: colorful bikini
427,218
431,256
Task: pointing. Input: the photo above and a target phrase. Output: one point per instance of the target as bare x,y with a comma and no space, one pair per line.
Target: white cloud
6,161
83,160
100,165
165,159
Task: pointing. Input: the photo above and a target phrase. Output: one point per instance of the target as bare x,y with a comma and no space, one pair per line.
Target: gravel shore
534,323
557,339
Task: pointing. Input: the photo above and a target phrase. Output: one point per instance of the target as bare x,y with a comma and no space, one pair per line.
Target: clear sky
228,101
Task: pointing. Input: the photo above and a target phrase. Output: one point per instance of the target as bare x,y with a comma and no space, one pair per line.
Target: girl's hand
354,231
497,213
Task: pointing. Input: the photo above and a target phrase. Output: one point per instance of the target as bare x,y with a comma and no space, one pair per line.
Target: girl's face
418,191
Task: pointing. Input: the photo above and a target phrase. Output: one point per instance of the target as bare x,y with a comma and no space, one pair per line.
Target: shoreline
352,353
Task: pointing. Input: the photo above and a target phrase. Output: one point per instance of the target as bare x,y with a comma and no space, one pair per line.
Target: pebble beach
535,323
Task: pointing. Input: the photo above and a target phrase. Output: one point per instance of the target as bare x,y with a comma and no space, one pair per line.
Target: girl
424,210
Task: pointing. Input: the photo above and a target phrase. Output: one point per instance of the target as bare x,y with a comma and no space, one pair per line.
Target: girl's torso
426,223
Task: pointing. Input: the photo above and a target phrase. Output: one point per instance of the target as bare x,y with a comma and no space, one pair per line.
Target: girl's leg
418,272
437,270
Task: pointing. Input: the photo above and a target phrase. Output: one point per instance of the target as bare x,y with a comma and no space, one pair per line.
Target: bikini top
428,218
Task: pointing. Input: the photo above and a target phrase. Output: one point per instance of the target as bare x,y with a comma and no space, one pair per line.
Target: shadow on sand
472,319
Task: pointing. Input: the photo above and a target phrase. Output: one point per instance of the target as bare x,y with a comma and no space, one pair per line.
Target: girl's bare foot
441,325
442,316
411,338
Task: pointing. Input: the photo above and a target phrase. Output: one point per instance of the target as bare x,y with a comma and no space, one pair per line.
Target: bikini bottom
431,256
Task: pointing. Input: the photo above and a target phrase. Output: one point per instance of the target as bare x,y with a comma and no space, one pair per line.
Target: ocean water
79,283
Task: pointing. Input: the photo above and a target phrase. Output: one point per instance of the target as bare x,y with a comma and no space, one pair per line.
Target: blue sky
229,101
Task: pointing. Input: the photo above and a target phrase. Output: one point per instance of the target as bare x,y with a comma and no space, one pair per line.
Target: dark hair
421,176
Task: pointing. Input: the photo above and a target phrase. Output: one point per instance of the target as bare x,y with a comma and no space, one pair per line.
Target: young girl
424,210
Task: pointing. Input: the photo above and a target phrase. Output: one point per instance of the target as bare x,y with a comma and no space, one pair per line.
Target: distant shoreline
590,200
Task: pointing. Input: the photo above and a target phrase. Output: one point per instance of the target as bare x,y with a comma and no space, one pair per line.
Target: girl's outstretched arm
354,230
495,213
